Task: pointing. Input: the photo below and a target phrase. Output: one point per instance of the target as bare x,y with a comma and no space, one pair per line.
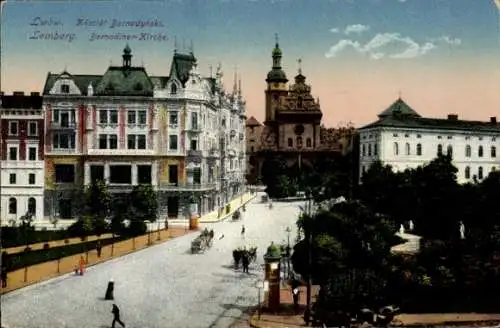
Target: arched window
468,151
308,143
299,141
407,149
493,151
369,150
290,142
419,149
375,149
480,173
440,149
363,150
32,205
467,172
12,205
299,102
449,151
173,89
480,151
396,148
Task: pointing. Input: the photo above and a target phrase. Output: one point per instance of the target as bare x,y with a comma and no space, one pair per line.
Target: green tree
97,205
143,207
379,185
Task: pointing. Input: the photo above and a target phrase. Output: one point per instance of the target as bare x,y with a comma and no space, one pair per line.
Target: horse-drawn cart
201,243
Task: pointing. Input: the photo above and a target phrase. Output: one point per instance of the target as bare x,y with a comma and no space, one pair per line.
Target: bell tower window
173,89
299,102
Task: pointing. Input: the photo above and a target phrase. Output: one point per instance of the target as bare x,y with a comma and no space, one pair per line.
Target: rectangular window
173,118
32,129
142,117
197,175
31,178
32,154
64,141
131,117
103,116
194,121
103,141
172,142
113,116
65,120
65,173
13,153
144,174
194,144
64,88
13,128
12,178
55,115
96,173
131,141
141,141
113,141
120,174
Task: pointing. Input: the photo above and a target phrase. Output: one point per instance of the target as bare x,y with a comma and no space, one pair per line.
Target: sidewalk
43,271
55,243
287,319
235,205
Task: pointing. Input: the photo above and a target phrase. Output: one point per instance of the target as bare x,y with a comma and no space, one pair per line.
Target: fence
36,273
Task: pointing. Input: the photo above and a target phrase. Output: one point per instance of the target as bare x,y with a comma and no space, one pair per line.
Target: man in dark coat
99,248
4,276
245,261
116,316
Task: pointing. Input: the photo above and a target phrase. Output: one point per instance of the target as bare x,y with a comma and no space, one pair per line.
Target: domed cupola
276,74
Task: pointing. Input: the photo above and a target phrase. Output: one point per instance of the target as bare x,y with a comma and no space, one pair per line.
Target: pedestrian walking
4,277
243,231
98,248
82,265
116,316
245,261
295,294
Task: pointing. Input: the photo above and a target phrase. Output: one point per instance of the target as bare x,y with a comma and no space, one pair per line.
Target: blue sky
331,37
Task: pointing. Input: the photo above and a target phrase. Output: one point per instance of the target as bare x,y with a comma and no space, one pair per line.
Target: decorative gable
64,85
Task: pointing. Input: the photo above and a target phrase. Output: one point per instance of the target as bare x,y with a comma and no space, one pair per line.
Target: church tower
276,86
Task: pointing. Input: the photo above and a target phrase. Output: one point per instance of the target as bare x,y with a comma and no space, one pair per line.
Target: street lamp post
288,251
309,260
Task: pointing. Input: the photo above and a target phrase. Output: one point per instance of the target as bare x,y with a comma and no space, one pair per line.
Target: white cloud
335,30
356,28
447,39
376,48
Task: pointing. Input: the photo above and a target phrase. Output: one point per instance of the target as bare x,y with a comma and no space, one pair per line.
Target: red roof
252,121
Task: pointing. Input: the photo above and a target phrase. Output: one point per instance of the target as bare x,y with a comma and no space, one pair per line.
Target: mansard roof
81,81
125,81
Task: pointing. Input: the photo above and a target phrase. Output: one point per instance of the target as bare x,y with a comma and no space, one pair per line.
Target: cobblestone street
161,286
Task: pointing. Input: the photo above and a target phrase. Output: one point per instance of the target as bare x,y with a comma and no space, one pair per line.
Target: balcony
64,125
194,153
182,186
213,153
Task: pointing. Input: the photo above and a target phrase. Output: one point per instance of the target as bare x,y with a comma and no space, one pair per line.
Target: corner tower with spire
276,85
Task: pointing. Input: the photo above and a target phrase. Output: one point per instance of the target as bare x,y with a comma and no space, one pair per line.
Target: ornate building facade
128,128
21,161
292,126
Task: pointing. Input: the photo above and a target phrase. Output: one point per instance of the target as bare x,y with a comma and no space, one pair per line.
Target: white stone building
403,139
21,166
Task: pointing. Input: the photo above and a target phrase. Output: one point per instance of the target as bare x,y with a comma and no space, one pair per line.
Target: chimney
453,117
18,93
493,119
35,94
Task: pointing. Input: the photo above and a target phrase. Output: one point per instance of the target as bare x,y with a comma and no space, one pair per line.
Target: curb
225,217
63,275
